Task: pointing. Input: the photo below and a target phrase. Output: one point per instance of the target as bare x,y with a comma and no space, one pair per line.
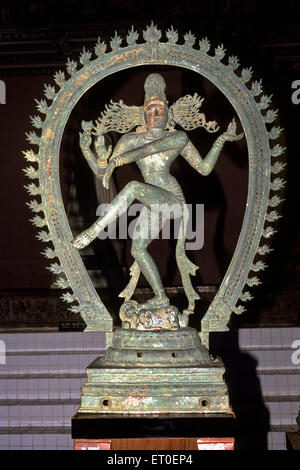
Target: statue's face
156,114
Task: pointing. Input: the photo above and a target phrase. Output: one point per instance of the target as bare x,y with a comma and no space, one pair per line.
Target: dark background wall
36,38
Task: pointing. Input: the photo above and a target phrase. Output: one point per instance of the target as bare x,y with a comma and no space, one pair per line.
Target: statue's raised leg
142,192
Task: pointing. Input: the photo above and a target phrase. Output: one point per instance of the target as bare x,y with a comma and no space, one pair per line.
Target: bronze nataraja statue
153,146
168,370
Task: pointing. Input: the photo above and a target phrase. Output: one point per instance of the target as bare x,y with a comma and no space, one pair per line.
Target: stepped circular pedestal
169,348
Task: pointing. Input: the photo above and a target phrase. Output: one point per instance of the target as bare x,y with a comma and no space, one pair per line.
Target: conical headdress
155,87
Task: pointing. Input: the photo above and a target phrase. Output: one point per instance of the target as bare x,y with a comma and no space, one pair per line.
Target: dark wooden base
112,426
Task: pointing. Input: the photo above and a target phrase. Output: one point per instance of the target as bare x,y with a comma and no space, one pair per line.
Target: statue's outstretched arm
206,165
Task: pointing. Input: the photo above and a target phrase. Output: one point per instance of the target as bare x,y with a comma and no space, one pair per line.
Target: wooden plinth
192,443
159,432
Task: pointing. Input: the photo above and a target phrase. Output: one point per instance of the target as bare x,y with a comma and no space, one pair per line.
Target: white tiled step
41,388
267,337
50,363
64,341
38,441
283,385
38,415
276,440
283,413
275,359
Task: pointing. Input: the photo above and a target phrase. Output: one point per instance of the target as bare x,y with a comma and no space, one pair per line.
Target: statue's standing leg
147,228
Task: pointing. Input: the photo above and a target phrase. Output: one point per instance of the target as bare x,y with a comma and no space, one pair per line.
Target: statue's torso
156,167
